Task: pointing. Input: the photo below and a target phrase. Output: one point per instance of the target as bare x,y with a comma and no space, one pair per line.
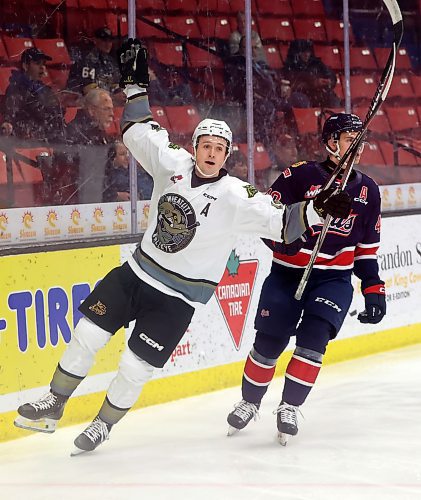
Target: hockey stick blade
350,155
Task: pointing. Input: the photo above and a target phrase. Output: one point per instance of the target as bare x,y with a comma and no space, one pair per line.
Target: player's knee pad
269,346
86,341
132,375
314,333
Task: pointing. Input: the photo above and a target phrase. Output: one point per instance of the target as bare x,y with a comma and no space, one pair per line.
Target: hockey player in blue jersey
350,247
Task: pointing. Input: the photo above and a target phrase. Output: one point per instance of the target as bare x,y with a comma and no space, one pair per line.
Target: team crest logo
298,164
340,227
176,223
251,190
98,308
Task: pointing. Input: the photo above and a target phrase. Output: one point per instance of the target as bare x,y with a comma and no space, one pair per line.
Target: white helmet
208,126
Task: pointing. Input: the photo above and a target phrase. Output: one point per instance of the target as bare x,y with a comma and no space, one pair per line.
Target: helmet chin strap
337,153
207,176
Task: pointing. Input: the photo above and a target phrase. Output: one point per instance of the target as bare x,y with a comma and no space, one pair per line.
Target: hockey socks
258,374
301,374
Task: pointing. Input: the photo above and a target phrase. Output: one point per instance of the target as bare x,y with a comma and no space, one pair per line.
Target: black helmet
338,123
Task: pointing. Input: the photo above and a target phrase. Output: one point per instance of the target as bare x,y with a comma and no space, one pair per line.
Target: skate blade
232,430
77,451
47,425
283,438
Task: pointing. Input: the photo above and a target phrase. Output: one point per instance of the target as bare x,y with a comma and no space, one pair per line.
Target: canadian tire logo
233,294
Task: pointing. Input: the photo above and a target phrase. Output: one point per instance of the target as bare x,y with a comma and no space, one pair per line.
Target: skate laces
46,402
246,410
97,430
288,413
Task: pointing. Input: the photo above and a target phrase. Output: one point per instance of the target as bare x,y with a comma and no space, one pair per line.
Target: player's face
345,142
210,155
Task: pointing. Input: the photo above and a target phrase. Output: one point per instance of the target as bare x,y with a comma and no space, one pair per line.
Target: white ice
360,439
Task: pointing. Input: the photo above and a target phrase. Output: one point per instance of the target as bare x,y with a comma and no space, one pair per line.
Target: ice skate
41,415
286,421
96,433
241,416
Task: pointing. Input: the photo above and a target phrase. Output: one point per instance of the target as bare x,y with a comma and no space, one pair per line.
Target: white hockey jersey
192,230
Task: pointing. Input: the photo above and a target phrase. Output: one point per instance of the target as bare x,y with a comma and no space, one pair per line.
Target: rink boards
41,292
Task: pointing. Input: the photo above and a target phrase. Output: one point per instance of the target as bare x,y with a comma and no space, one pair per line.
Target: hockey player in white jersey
197,211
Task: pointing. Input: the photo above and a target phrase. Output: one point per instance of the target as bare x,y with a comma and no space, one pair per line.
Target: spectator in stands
169,86
97,67
309,75
87,138
117,176
31,109
237,165
239,33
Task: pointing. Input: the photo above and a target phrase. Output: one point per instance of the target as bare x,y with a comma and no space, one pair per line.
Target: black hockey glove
286,248
375,303
337,205
133,63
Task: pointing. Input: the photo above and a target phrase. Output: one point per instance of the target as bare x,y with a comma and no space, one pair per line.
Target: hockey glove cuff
286,248
133,63
331,202
375,303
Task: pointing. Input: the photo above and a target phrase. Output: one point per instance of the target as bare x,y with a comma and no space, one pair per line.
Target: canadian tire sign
233,294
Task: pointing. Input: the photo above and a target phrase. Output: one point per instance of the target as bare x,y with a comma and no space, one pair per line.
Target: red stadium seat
309,29
335,31
274,8
15,47
70,113
160,116
402,59
3,52
214,27
273,56
416,85
339,90
188,6
199,58
238,6
58,78
308,8
183,25
329,55
55,48
403,118
380,122
4,78
372,155
183,119
276,29
120,4
363,87
403,157
170,54
361,58
216,6
401,88
155,5
261,157
93,4
307,120
123,25
145,30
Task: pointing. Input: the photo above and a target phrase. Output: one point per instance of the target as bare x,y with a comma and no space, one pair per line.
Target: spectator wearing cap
97,67
31,109
309,75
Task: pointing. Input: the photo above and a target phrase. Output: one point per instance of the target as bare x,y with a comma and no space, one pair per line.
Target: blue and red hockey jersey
352,243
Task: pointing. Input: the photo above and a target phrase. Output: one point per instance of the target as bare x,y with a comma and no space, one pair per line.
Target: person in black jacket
31,109
309,75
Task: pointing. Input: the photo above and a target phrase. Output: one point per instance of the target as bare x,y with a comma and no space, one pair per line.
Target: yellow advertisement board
39,300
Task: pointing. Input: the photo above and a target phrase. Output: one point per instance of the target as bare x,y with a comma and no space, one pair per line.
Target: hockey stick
350,155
